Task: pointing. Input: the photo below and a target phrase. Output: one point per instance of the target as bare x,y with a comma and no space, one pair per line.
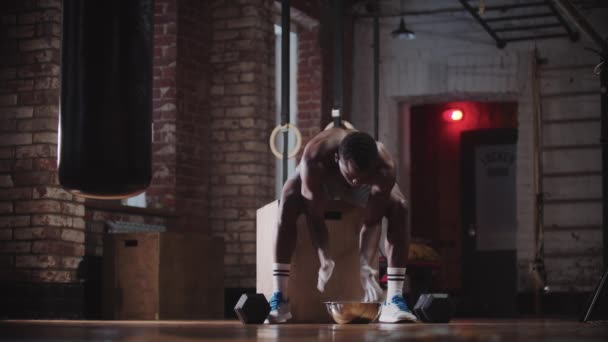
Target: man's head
357,155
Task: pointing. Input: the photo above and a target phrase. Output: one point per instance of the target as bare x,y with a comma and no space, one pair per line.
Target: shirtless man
352,166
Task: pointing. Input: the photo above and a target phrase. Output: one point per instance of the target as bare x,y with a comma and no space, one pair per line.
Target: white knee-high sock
396,277
280,277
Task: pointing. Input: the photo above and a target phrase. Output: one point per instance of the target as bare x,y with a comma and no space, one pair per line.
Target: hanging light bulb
402,31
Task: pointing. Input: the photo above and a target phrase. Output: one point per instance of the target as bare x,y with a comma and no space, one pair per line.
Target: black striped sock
396,278
280,273
280,277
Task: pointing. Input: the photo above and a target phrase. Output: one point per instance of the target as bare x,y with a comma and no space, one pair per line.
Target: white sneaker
396,311
279,309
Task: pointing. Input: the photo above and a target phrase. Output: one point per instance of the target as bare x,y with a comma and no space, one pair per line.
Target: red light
456,115
452,115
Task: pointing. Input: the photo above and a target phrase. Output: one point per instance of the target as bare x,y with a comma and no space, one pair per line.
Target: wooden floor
131,331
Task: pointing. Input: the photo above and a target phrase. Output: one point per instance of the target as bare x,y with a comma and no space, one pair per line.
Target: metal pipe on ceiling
567,8
573,34
501,8
519,17
527,27
499,42
412,13
537,37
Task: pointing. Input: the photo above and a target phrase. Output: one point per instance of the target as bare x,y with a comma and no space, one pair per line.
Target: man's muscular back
319,165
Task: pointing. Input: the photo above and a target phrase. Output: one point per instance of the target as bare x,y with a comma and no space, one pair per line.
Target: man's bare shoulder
322,145
312,171
385,155
311,158
387,171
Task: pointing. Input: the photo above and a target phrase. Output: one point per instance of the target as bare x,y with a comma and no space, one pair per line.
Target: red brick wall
161,193
213,112
309,82
242,110
182,78
193,115
42,229
41,226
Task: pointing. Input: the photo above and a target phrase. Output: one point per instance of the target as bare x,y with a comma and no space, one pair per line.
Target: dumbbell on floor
252,308
433,308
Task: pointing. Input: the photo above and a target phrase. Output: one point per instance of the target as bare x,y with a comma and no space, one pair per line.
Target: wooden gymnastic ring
273,136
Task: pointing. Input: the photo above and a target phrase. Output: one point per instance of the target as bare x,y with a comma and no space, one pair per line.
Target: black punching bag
105,127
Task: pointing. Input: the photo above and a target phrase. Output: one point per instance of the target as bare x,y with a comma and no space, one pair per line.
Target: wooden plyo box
148,276
344,224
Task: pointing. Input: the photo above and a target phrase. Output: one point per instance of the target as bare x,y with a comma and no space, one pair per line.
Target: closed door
489,222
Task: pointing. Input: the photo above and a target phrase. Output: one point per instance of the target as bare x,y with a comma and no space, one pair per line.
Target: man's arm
381,189
315,197
369,237
316,200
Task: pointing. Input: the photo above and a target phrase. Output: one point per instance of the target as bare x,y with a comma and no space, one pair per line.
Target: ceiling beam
499,42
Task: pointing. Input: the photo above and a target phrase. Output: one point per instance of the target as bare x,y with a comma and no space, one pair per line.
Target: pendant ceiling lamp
402,32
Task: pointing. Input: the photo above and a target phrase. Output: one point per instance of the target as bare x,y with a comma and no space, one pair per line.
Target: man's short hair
359,147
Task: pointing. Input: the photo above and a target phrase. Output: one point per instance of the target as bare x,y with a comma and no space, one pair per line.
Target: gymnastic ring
273,136
344,122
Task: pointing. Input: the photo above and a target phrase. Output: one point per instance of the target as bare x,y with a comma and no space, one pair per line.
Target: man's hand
372,291
325,271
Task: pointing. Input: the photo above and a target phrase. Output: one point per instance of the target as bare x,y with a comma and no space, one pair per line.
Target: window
293,64
135,201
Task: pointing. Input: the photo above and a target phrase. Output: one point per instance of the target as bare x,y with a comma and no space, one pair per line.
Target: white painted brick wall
454,59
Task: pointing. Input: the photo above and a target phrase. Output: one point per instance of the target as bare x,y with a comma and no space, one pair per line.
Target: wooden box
150,276
344,224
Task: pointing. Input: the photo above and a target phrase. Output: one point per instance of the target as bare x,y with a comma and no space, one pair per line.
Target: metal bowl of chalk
353,312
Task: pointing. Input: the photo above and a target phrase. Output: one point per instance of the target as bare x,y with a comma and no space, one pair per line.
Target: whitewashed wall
454,59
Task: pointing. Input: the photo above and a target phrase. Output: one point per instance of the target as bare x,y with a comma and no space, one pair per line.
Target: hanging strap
285,83
337,111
